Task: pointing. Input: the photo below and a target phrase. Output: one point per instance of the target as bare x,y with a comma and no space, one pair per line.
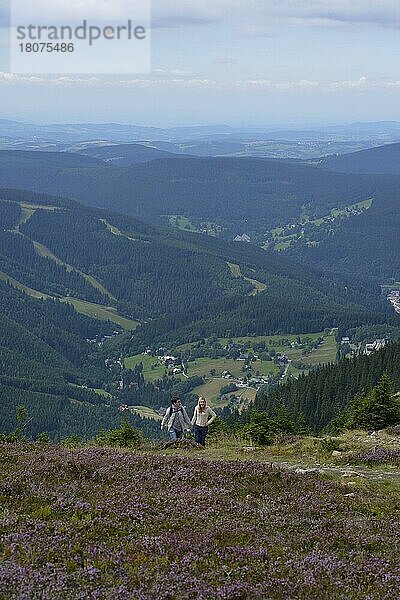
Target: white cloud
168,73
360,84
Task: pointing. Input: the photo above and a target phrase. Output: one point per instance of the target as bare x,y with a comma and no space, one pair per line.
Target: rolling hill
250,194
382,160
123,155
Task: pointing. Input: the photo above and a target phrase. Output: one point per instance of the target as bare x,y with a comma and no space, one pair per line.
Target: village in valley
394,299
229,372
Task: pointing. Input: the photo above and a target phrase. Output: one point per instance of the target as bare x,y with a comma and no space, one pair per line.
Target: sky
239,62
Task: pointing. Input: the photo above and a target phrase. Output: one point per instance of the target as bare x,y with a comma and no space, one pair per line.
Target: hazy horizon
290,125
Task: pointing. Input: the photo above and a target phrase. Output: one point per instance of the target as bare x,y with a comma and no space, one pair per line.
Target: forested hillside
65,366
184,281
123,155
229,191
322,395
366,244
382,160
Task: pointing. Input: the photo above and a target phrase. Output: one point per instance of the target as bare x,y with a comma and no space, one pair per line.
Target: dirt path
345,471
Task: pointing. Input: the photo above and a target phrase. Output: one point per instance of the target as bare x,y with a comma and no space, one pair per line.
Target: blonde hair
200,408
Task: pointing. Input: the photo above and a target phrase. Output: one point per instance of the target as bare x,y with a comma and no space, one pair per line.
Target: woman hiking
203,416
176,420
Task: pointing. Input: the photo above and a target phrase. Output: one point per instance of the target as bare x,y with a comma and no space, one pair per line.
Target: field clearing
201,367
147,413
258,285
245,395
98,285
101,392
98,391
272,340
45,252
266,367
182,222
324,354
95,311
152,369
115,231
100,312
24,288
292,371
210,390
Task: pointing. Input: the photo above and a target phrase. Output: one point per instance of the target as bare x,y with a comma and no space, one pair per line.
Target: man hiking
176,420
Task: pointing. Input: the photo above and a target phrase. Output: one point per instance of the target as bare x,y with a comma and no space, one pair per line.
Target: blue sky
241,62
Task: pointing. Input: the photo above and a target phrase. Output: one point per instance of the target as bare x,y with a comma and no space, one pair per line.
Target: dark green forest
322,395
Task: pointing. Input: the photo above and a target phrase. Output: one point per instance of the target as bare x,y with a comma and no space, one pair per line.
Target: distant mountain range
218,140
230,197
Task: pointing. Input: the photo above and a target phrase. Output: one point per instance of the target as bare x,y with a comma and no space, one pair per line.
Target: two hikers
176,420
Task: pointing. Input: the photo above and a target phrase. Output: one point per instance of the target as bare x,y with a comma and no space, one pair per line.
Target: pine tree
378,409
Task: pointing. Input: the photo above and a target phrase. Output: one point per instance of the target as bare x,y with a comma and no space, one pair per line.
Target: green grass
277,232
45,252
27,210
324,354
181,222
201,367
147,413
284,245
257,285
115,231
266,367
152,368
24,288
271,340
26,213
95,311
341,212
42,250
98,285
98,391
282,242
245,395
100,312
211,390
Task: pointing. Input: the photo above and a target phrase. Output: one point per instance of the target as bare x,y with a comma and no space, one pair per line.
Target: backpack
171,410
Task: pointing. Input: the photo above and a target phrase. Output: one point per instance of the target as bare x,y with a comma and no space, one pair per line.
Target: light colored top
203,419
174,419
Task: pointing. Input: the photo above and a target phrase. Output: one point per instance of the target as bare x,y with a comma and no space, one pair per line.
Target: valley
225,312
233,370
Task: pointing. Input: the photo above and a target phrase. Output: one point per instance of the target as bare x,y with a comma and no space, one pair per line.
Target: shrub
263,430
329,444
124,437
